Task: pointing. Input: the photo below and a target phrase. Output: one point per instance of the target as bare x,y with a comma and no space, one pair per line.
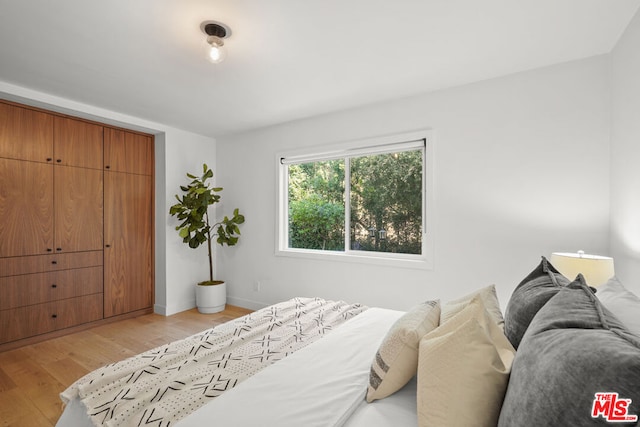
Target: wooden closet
128,184
76,215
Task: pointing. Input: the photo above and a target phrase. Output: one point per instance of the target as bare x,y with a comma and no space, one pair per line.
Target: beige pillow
396,360
463,370
489,298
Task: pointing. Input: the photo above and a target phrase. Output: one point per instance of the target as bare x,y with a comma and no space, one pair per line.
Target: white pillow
624,304
489,298
463,370
396,361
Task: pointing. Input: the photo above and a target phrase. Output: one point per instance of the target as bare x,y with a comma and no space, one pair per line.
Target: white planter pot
212,298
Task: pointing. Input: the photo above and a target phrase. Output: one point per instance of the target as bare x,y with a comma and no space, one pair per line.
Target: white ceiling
287,59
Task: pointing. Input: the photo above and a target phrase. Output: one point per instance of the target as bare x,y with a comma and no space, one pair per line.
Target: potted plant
195,229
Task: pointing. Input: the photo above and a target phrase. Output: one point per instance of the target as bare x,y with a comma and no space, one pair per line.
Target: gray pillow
529,297
573,349
621,302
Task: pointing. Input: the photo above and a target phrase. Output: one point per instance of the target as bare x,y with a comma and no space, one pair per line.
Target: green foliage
316,224
316,205
228,230
386,194
192,210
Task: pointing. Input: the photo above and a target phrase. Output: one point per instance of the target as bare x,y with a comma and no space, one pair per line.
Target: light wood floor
32,377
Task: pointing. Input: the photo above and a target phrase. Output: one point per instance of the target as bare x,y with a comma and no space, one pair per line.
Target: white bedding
323,384
399,409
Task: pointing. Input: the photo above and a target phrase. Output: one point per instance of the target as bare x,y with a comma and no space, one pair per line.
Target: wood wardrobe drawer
29,289
41,263
39,319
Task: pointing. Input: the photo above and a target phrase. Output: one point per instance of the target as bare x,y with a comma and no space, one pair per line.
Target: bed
313,362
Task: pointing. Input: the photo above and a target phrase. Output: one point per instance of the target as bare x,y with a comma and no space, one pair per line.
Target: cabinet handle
49,250
54,286
58,160
107,167
107,246
54,262
58,249
54,316
49,159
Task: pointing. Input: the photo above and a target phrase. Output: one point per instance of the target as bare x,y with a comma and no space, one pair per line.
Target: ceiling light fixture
216,33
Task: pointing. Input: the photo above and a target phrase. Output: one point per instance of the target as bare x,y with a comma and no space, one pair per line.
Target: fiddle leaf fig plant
192,210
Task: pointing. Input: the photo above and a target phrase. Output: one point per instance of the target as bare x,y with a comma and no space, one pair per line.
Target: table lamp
596,269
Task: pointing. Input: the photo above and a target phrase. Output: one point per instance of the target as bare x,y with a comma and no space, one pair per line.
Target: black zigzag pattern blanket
161,386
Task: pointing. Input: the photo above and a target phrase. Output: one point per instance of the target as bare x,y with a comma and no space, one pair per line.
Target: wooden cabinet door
78,209
128,253
36,288
76,311
128,152
23,322
25,134
77,143
15,266
26,208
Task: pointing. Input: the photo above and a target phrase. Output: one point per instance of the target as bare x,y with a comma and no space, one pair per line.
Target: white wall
625,156
521,171
178,267
182,267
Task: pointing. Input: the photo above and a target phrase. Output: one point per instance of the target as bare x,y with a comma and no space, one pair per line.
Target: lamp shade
596,269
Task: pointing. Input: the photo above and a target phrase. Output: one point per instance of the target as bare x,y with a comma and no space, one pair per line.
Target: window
365,200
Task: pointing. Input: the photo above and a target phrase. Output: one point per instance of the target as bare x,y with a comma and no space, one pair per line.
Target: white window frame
369,146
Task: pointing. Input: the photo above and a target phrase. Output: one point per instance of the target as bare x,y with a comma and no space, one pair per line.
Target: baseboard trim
168,310
245,303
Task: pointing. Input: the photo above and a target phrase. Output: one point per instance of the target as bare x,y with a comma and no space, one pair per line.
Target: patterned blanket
161,386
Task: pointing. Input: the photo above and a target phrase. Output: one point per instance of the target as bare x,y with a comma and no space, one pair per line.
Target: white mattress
323,384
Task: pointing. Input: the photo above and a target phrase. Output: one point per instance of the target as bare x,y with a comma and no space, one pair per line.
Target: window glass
358,200
386,202
316,205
